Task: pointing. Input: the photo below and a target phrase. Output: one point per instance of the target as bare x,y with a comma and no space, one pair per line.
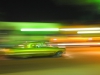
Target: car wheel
58,54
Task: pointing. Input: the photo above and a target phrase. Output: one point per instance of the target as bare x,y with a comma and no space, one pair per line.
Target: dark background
49,11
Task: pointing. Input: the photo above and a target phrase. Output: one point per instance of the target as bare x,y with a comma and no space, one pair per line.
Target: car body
33,49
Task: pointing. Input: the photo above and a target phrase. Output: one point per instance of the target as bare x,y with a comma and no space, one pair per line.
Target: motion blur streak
88,32
40,29
79,44
74,39
76,29
82,49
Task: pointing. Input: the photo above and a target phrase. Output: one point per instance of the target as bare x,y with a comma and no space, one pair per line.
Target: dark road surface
51,66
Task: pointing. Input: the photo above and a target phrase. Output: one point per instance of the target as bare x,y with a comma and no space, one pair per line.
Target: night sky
50,11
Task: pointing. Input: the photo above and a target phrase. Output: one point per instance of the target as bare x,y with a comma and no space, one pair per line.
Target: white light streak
88,32
40,29
78,29
80,44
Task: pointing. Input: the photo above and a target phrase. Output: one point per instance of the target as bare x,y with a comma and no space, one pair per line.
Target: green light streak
20,25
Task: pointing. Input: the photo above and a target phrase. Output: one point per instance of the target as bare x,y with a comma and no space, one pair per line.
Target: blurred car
34,49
